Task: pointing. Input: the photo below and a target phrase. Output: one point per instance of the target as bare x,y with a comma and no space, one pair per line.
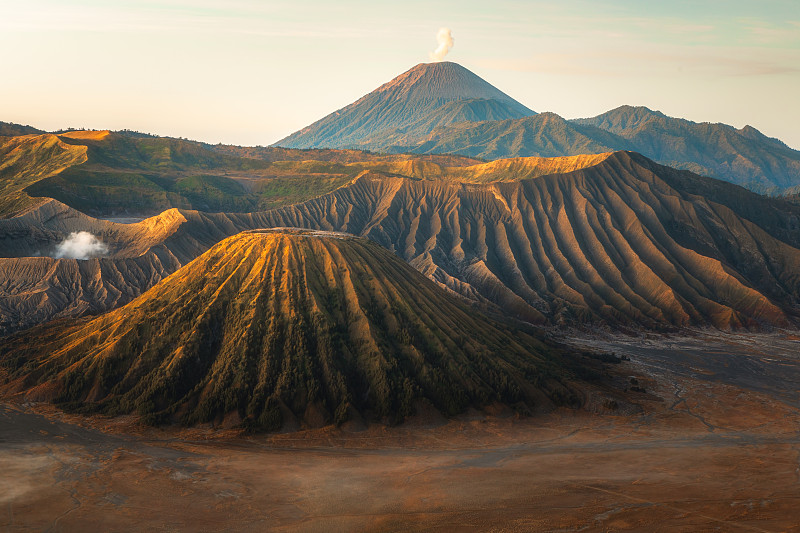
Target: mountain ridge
614,240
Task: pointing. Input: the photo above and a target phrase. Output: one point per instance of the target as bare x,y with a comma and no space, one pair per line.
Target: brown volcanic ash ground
715,448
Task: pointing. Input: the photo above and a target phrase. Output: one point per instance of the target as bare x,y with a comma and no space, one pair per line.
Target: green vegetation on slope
146,175
27,159
123,174
9,129
542,135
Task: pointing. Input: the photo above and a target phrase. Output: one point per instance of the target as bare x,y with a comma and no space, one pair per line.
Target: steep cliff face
277,325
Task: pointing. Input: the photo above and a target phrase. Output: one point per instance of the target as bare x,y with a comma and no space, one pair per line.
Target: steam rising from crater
80,245
445,39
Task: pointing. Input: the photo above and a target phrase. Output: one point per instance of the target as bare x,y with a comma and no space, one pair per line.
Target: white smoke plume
80,245
445,39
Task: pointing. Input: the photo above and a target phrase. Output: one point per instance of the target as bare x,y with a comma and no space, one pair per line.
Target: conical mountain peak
275,325
446,81
425,97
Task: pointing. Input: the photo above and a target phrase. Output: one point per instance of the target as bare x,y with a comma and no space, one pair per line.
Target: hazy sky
251,72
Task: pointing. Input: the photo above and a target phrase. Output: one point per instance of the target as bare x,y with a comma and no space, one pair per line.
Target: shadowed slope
543,135
38,289
9,129
743,156
269,326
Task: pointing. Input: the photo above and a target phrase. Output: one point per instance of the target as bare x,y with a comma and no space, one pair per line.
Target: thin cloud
633,63
769,34
100,19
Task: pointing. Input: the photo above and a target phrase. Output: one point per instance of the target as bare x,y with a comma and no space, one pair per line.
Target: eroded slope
619,240
279,325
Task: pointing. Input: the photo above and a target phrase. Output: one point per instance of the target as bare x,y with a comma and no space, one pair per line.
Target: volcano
273,326
413,104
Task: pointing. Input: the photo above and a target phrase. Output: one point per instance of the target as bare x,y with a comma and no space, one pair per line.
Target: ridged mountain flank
427,96
276,326
613,238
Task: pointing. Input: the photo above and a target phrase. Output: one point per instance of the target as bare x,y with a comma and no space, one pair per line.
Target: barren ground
715,446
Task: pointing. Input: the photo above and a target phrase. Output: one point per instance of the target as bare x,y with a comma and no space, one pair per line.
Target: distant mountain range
444,108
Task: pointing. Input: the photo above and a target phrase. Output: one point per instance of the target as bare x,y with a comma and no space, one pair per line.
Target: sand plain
711,444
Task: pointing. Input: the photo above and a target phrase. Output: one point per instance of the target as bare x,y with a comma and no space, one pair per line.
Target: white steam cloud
445,39
80,245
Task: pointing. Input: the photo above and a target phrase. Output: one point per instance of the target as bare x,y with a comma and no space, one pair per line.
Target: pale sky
251,72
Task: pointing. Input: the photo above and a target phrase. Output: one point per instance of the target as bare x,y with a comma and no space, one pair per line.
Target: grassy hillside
277,153
28,159
118,174
9,129
543,135
272,326
146,175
